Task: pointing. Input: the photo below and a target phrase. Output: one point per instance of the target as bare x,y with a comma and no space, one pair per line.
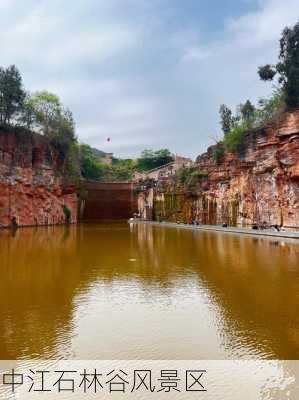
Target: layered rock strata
32,188
257,185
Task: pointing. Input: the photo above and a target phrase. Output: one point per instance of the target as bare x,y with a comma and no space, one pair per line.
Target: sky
145,73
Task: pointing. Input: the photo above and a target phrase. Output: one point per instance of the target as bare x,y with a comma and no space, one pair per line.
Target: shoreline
9,227
216,228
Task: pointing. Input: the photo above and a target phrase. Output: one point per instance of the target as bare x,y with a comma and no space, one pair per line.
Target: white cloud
197,53
226,67
266,24
126,72
53,39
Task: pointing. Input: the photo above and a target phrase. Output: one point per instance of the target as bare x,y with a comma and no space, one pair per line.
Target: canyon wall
32,190
257,185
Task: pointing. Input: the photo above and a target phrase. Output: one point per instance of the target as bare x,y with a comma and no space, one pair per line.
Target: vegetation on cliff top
40,112
287,67
150,159
285,94
93,167
43,112
190,176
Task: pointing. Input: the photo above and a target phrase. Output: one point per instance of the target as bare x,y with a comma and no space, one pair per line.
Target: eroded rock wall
257,185
32,191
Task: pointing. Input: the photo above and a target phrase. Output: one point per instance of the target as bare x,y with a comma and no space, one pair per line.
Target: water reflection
108,291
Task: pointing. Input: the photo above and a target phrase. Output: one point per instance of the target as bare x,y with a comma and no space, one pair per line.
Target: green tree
267,72
90,167
150,159
247,111
47,110
44,111
27,114
123,169
12,94
62,132
288,66
226,118
234,138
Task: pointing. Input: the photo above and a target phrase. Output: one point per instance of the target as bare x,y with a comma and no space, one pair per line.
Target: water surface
111,291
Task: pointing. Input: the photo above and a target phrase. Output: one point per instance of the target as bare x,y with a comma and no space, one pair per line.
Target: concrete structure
108,201
293,236
107,159
165,171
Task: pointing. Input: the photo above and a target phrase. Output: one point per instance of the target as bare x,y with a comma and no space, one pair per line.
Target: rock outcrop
258,185
32,191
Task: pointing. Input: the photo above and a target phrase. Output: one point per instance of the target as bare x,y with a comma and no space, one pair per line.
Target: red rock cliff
259,185
31,190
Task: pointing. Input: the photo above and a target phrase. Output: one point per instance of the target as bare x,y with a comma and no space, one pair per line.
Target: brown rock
258,186
30,190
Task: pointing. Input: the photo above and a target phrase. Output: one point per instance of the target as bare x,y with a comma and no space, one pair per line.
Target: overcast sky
146,73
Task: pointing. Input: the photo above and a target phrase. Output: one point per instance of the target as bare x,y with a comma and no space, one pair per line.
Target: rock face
258,185
31,190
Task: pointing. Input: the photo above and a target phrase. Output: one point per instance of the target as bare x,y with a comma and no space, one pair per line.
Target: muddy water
111,291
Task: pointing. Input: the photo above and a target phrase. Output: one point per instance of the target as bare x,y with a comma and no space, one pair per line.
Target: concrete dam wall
108,201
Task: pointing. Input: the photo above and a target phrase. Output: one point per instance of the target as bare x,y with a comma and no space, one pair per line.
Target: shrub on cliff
184,173
245,119
218,152
287,68
269,108
246,114
285,94
250,117
233,139
190,176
